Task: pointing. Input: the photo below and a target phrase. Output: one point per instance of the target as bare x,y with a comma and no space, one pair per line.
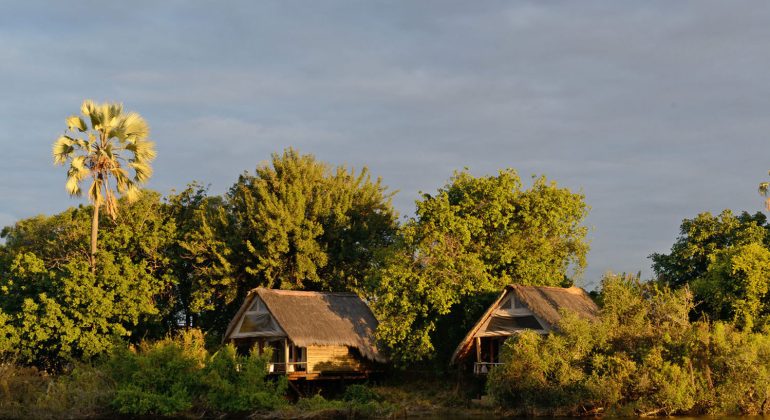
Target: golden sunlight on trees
115,145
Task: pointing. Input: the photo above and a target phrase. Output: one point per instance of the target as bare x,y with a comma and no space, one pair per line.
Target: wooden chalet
313,335
519,308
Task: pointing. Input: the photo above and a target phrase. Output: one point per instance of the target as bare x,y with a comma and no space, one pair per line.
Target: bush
236,383
175,375
20,387
360,394
643,357
86,391
161,377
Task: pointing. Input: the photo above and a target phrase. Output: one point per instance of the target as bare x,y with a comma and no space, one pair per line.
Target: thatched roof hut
314,327
518,308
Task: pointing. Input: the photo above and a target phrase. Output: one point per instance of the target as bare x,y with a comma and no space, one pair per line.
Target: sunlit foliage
475,235
642,357
113,154
725,260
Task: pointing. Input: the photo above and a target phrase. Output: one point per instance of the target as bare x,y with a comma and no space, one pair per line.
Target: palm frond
143,150
134,127
76,123
89,109
142,171
95,192
133,192
73,186
62,149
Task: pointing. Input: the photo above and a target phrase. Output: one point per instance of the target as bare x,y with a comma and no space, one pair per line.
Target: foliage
475,235
205,293
160,377
724,259
358,401
236,383
701,237
361,394
764,190
58,310
84,392
304,225
175,375
643,356
19,389
736,285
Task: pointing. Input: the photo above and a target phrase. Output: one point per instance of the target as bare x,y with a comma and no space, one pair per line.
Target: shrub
236,383
360,394
175,375
20,387
161,377
643,356
86,391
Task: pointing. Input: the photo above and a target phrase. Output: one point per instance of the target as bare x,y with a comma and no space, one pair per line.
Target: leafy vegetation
724,261
125,329
642,357
476,235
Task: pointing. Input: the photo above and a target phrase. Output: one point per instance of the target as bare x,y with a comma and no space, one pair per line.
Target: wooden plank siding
332,359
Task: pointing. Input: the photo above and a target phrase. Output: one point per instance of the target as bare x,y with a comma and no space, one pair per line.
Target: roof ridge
573,287
301,292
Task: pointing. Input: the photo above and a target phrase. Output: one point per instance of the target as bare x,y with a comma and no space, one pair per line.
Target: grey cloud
655,110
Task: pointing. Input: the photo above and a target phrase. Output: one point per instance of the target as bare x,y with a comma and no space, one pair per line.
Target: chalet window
257,320
253,321
526,322
513,303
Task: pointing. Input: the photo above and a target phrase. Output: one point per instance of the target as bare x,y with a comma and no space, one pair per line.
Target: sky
655,110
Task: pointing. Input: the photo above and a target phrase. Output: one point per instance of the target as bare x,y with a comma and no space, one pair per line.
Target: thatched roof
546,303
319,319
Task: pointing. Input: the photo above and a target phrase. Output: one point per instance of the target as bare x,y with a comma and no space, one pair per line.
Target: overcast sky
656,110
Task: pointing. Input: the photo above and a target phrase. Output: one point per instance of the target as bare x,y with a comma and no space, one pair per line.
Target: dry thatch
319,319
547,303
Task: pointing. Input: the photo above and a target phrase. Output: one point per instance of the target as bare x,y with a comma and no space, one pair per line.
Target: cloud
655,110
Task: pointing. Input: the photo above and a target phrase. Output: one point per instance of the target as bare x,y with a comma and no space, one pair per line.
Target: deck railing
482,368
292,367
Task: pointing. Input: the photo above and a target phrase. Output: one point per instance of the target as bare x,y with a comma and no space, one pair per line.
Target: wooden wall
331,359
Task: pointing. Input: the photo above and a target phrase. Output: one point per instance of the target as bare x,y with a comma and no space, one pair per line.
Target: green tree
112,147
206,289
702,237
58,309
724,260
476,235
301,224
735,287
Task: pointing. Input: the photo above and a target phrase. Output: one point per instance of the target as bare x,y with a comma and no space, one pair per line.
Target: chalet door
494,350
298,358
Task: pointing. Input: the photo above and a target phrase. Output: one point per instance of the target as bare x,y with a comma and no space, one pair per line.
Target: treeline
188,259
694,340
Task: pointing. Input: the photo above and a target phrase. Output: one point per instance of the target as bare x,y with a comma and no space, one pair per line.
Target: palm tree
115,145
764,189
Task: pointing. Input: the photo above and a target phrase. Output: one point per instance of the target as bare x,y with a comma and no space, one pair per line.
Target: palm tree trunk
94,233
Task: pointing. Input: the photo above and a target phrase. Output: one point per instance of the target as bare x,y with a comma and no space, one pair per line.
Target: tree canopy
724,260
59,309
475,235
301,224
